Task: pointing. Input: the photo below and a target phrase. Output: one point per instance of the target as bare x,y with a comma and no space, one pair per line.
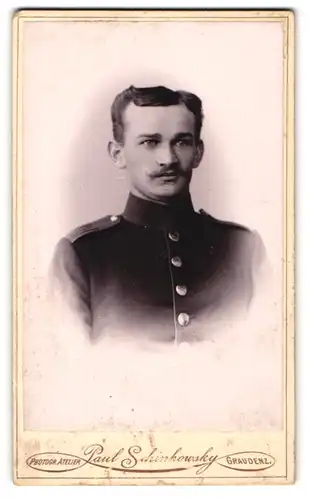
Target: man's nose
166,155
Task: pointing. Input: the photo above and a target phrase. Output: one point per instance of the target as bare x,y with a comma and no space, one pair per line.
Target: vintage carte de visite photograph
153,160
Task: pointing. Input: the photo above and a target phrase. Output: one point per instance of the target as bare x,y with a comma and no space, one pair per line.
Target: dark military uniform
157,272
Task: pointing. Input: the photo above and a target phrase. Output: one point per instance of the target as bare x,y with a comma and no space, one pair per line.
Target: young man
160,270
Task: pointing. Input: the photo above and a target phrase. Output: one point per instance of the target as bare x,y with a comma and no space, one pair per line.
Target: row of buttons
183,318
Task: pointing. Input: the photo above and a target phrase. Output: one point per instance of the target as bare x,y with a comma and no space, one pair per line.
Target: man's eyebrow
184,134
149,136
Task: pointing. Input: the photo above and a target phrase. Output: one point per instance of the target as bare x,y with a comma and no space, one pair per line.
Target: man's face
160,150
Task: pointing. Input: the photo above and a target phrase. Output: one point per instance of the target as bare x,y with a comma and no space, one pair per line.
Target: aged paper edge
286,17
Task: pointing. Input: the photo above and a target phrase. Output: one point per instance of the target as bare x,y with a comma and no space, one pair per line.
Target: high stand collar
156,215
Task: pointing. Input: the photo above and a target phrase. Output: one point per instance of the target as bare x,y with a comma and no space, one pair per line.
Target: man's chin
169,191
164,193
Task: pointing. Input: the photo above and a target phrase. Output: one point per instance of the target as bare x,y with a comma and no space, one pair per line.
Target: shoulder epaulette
223,222
93,227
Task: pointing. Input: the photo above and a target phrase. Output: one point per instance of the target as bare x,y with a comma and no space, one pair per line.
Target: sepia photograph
153,246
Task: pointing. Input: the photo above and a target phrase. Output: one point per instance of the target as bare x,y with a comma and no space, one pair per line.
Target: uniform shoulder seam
92,227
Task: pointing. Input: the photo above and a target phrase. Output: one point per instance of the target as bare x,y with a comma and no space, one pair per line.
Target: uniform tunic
157,272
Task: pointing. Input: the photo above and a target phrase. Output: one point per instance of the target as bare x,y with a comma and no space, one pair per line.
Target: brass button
174,236
183,319
113,218
181,289
176,261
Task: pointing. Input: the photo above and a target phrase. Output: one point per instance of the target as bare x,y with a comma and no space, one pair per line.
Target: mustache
170,170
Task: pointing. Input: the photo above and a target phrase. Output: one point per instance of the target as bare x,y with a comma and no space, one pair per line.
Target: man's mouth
168,174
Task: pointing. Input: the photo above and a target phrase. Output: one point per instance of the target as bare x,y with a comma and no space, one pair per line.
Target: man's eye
184,142
150,142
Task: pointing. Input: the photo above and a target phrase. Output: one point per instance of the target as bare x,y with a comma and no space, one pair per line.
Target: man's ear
199,154
115,150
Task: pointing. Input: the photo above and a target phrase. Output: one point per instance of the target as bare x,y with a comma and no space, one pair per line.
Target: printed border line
290,242
15,178
154,19
288,238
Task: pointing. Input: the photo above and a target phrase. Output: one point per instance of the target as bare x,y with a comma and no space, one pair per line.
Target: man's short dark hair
153,96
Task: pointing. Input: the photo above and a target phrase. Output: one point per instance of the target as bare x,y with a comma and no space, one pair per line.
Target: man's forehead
158,119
